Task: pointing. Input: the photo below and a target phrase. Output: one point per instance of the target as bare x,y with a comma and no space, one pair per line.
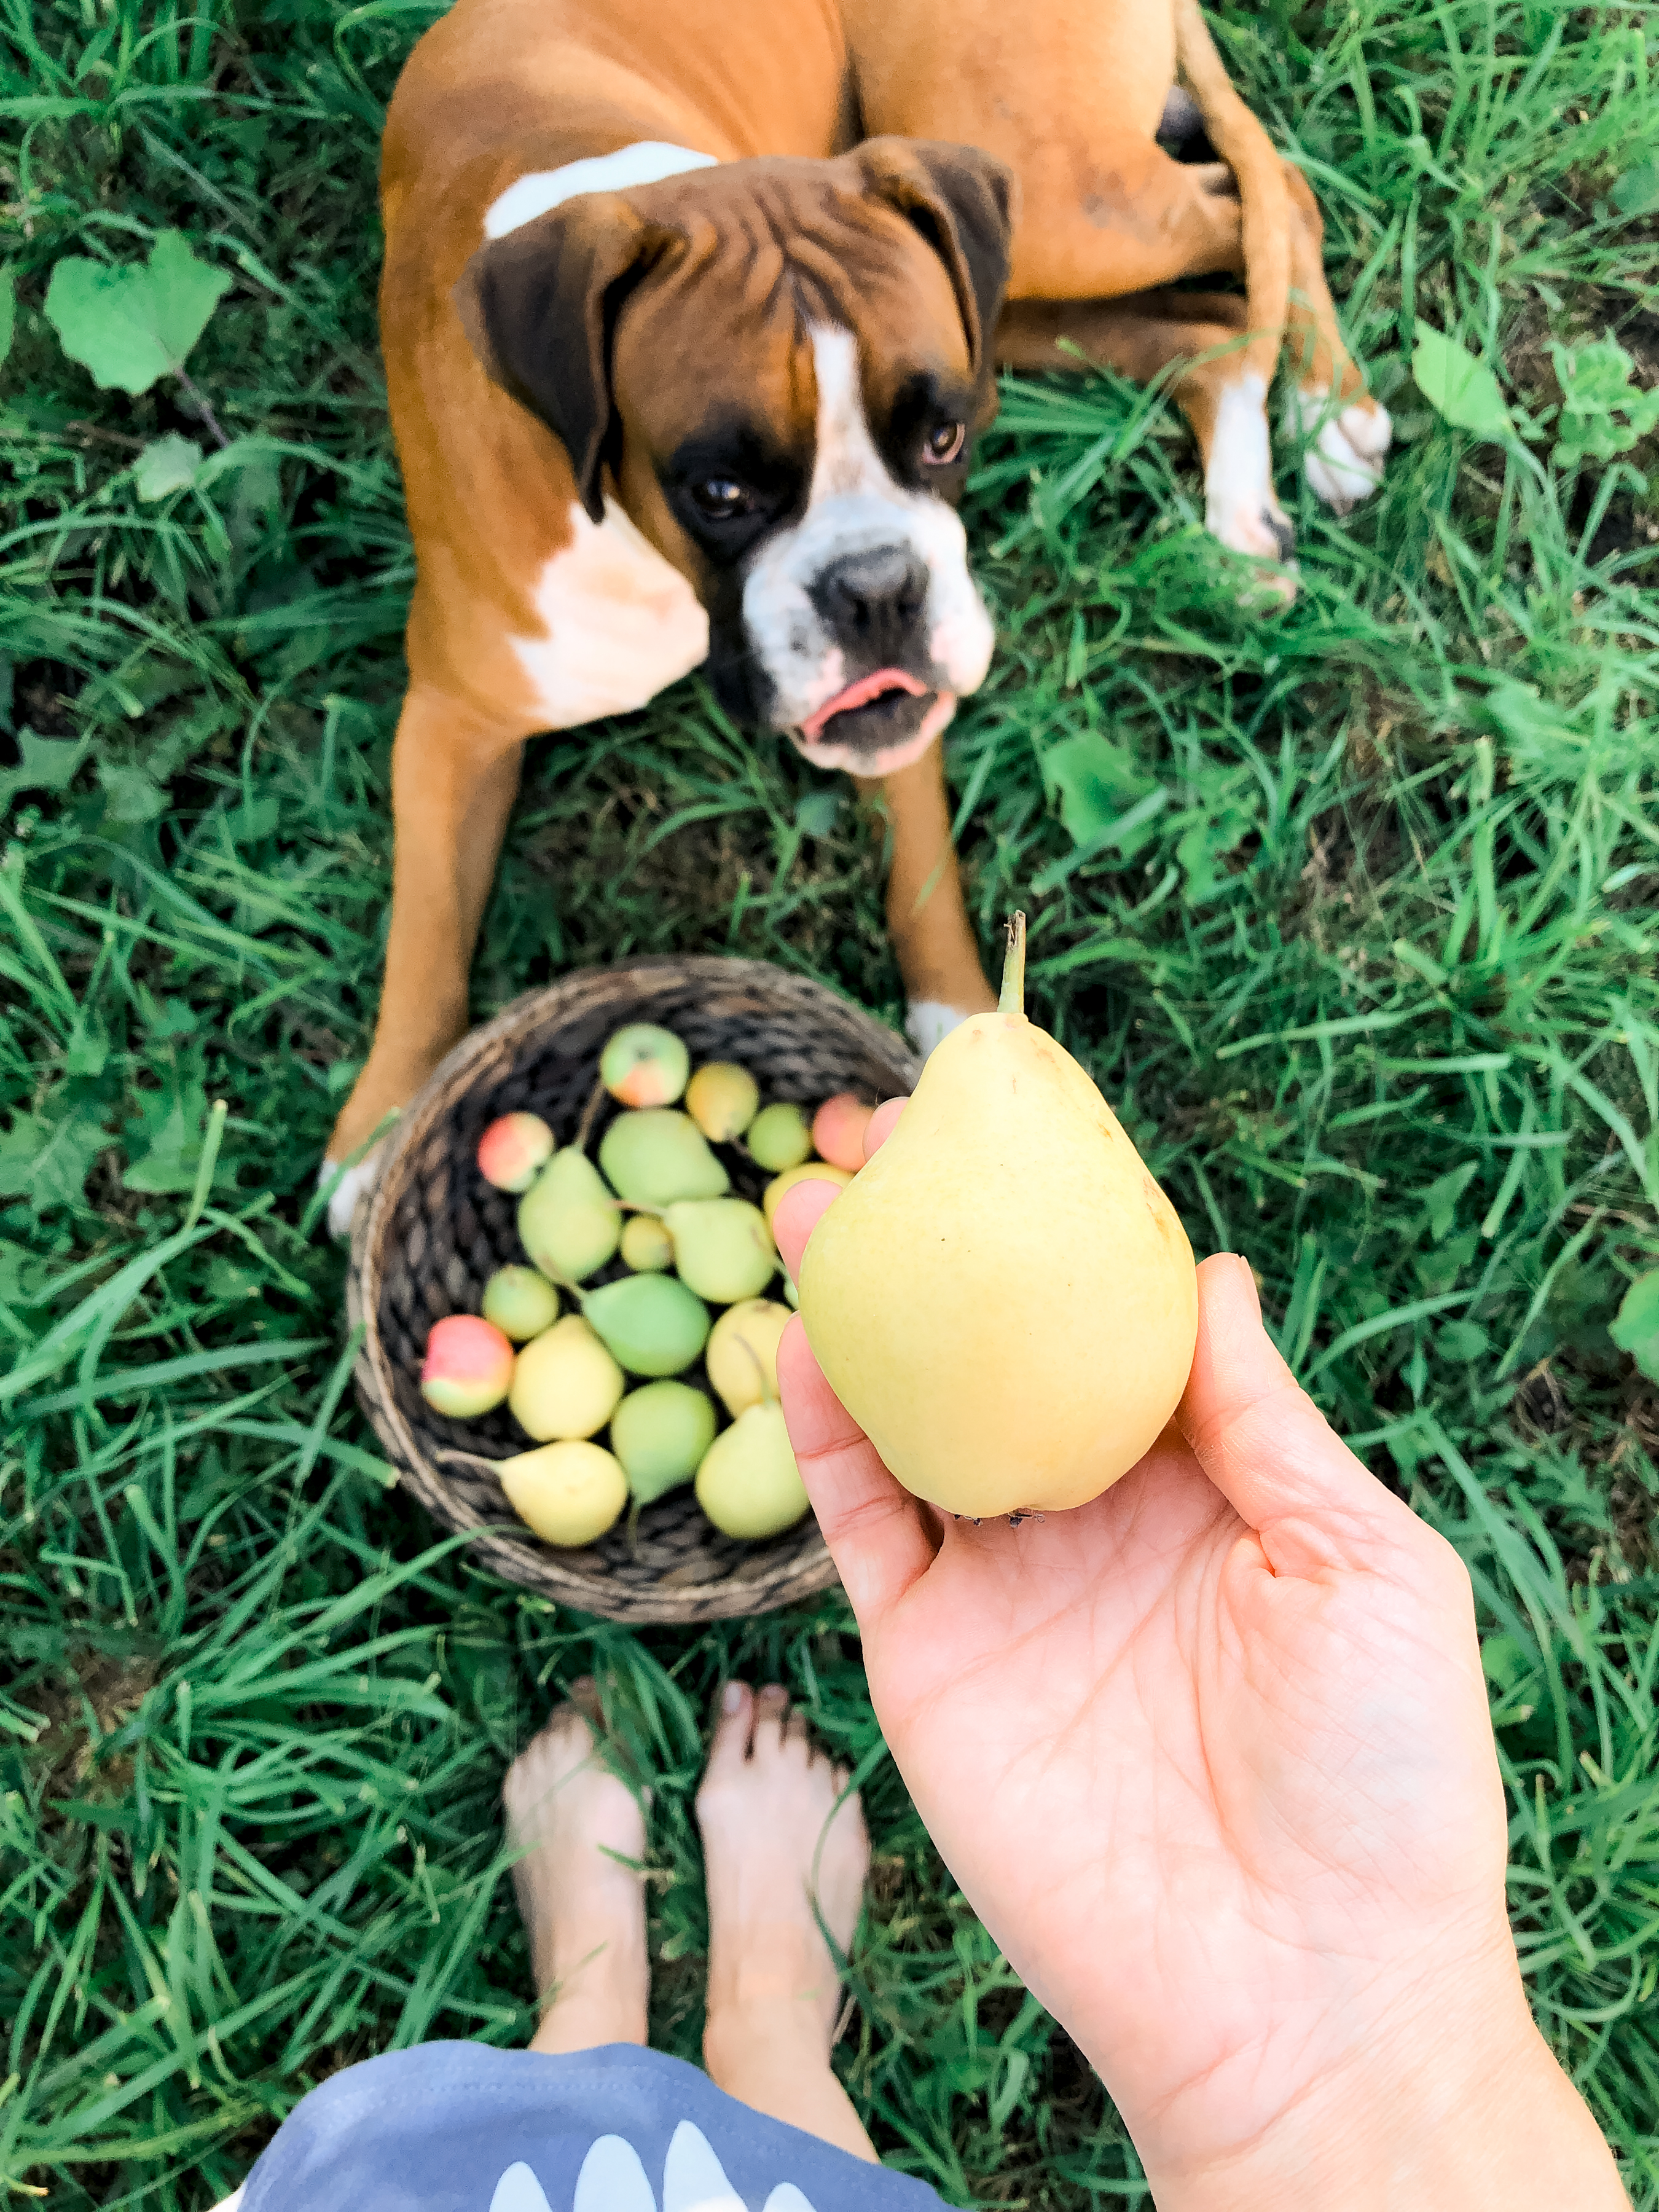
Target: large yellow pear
1003,1298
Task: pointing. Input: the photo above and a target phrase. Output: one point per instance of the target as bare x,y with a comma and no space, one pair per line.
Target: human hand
1210,1757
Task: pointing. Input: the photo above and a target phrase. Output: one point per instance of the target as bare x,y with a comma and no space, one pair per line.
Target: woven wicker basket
433,1233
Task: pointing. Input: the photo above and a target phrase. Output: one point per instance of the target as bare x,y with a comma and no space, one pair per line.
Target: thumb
1267,1448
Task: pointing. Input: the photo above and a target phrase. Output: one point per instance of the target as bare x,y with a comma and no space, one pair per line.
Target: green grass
1353,909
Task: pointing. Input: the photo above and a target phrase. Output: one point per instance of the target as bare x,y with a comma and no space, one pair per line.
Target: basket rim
686,1603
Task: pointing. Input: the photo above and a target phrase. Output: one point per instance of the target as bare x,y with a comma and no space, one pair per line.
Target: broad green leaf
1095,783
166,465
8,311
1440,1198
1219,829
1637,192
130,795
1635,1327
45,764
46,1156
169,1164
1462,1340
1458,386
130,327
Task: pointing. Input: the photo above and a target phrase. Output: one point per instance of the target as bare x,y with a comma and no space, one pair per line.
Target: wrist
1475,2115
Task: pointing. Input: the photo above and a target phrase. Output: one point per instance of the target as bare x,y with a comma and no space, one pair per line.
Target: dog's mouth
876,725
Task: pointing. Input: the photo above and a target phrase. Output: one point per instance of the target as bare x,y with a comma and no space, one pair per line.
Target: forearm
1509,2134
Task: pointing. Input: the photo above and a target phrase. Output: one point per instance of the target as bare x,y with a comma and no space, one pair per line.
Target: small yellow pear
741,1355
565,1383
749,1484
808,1171
1003,1299
569,1492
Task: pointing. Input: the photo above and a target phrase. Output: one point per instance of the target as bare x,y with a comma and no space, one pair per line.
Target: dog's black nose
872,600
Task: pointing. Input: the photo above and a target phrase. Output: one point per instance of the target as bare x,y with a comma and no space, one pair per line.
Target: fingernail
731,1697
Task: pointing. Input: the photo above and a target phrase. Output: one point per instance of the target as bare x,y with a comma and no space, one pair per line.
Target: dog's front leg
454,782
938,956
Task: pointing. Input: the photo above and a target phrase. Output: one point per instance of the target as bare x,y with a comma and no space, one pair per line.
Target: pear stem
1012,1000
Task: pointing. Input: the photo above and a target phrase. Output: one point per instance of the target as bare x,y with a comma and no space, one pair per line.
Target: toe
733,1722
584,1701
770,1708
796,1738
564,1739
1367,426
1342,450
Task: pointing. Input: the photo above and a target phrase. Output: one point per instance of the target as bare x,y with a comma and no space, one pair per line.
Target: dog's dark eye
720,498
943,444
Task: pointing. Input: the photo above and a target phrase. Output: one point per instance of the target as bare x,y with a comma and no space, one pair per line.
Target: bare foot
770,1847
573,1820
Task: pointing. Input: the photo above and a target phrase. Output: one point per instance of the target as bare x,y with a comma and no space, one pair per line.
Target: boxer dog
691,315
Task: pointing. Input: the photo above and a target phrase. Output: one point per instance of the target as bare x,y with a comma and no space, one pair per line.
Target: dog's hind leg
1142,338
454,782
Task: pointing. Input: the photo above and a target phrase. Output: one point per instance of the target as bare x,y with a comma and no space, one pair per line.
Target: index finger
872,1525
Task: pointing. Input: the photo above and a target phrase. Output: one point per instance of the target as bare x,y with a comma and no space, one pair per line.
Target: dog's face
781,365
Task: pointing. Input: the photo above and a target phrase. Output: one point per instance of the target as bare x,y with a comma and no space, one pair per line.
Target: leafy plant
1602,413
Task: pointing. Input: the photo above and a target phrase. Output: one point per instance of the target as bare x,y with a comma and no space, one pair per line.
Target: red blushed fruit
838,1128
468,1367
512,1151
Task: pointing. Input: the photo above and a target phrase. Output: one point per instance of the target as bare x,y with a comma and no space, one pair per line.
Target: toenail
732,1698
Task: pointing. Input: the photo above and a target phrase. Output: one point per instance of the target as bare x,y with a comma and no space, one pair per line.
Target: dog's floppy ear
539,308
962,201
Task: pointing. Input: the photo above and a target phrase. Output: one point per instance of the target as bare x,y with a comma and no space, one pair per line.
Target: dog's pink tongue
859,694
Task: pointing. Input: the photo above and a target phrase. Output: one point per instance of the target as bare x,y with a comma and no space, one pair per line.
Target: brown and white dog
691,314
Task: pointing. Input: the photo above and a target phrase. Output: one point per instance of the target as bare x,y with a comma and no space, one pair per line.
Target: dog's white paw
356,1182
1344,450
1240,508
928,1022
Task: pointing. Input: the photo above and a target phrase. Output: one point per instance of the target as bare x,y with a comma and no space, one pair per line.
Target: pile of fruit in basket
661,1199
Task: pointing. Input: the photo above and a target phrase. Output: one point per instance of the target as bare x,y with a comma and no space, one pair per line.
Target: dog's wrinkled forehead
725,326
685,302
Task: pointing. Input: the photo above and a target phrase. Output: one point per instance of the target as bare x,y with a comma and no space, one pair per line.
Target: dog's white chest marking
620,624
646,162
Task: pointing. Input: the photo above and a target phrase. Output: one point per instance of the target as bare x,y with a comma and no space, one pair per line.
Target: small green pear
660,1434
569,1222
723,1249
1002,1297
652,1156
651,1323
521,1303
647,1246
569,1493
742,1355
565,1383
779,1137
749,1484
721,1098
